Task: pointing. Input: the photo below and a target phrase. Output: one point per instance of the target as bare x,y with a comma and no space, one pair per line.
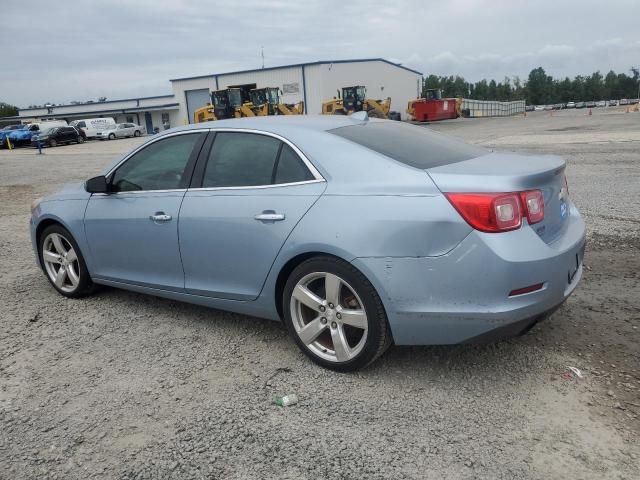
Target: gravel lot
122,385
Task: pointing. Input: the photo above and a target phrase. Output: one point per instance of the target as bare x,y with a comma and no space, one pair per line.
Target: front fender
69,214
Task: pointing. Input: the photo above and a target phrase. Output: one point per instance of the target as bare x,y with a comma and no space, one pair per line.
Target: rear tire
335,315
80,139
52,143
63,263
136,133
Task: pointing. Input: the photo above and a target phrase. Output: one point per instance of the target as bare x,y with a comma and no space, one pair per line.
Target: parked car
120,130
624,101
601,103
22,136
4,132
529,108
633,101
571,105
548,107
57,136
92,126
580,104
613,103
329,223
590,104
539,108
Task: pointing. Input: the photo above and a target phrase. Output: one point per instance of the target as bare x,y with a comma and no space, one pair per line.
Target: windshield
220,99
258,97
348,93
235,98
273,96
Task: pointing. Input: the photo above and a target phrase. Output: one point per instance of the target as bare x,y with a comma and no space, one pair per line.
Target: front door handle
269,216
160,217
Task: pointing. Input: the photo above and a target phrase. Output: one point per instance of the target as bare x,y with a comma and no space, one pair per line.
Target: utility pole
262,54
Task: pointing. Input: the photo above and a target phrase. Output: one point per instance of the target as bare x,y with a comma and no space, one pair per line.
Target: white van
91,126
44,124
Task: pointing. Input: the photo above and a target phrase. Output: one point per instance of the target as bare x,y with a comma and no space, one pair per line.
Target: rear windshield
418,147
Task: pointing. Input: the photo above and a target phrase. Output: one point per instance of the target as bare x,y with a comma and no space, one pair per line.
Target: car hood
70,191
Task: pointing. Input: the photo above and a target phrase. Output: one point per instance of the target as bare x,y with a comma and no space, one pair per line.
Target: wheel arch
46,222
290,266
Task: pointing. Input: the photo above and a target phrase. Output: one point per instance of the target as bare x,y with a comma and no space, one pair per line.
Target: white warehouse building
312,83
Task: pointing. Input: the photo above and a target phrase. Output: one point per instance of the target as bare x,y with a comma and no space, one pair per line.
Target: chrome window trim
253,187
138,192
318,178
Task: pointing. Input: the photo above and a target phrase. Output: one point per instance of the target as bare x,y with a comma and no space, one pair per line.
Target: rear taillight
498,212
533,203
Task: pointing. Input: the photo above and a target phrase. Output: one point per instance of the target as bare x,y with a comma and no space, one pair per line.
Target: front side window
241,160
160,166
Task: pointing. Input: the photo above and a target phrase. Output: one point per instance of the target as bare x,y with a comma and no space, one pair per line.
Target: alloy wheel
61,262
329,317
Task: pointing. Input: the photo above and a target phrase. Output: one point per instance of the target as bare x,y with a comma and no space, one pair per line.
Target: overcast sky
80,50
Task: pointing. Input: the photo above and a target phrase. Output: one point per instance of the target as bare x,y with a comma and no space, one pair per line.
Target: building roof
320,62
97,103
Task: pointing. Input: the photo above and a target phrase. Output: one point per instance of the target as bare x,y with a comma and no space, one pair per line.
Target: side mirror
97,185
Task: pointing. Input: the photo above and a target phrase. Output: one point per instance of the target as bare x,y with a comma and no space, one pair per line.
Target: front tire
334,314
112,137
63,262
80,139
136,133
52,143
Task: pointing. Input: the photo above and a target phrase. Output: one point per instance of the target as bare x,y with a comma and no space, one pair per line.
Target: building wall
381,79
321,81
290,76
181,86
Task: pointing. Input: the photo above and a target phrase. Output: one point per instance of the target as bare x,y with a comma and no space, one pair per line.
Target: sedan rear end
520,259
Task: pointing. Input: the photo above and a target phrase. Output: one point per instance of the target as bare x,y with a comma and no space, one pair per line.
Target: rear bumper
463,296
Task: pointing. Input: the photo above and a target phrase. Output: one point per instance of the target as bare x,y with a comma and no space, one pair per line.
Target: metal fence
490,108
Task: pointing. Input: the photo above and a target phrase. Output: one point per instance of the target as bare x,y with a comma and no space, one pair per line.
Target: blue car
355,232
22,135
4,133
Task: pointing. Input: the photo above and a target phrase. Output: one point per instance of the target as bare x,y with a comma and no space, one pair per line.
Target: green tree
7,110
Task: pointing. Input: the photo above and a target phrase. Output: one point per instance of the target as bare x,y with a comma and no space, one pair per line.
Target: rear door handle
160,217
270,216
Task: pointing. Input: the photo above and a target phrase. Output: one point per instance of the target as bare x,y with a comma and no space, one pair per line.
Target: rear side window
415,146
248,159
290,167
241,160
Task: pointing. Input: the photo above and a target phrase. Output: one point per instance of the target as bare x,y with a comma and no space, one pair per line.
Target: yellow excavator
354,99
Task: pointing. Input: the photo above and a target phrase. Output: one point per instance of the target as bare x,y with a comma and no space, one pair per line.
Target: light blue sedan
356,232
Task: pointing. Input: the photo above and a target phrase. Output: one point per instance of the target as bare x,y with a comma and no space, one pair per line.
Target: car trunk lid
509,172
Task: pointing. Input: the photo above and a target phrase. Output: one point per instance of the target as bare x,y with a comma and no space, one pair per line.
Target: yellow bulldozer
354,99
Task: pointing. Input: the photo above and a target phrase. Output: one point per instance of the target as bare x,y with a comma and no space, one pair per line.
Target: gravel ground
122,385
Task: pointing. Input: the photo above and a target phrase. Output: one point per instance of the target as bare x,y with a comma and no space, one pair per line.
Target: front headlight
35,204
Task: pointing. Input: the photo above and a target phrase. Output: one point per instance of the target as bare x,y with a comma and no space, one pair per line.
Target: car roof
281,124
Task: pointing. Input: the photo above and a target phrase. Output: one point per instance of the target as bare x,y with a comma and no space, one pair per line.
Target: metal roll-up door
195,100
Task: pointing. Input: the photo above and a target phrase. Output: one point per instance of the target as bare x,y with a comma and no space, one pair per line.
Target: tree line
540,88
